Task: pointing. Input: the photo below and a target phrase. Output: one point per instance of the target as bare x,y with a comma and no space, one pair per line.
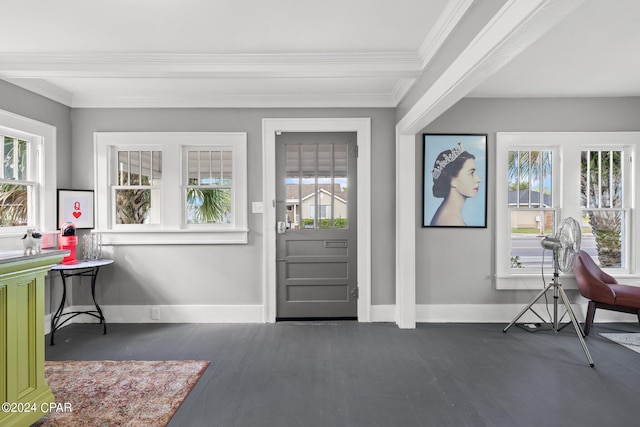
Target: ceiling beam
516,26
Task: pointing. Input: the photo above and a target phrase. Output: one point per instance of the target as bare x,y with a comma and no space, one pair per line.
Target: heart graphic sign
76,206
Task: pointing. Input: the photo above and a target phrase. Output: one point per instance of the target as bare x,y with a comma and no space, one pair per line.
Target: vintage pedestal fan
564,244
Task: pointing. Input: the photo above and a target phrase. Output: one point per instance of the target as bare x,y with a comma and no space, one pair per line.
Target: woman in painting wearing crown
455,179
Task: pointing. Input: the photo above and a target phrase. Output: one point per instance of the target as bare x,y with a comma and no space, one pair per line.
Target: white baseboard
383,313
501,313
168,314
425,313
492,313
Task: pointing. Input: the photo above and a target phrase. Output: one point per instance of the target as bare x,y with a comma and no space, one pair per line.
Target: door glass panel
340,195
308,184
316,186
292,185
324,199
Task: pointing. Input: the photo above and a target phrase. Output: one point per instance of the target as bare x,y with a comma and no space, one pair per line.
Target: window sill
533,281
174,237
567,280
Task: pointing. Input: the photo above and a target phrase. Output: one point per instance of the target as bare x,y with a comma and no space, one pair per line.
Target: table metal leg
55,319
94,276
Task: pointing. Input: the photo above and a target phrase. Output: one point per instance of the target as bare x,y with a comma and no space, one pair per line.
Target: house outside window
317,186
531,204
171,188
334,203
543,178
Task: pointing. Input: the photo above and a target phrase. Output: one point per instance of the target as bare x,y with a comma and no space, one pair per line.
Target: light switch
257,207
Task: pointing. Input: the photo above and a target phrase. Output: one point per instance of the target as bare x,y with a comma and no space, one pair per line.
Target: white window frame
42,140
232,187
172,228
566,147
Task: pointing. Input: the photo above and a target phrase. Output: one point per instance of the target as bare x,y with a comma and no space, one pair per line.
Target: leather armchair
602,290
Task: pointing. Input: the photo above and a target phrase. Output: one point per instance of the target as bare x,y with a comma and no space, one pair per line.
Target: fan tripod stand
558,292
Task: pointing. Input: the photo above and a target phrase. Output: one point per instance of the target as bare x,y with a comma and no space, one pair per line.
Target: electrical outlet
155,313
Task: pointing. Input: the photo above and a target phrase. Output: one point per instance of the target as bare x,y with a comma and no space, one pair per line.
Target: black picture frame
76,206
467,206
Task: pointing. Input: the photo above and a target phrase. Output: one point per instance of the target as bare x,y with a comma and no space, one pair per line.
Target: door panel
316,194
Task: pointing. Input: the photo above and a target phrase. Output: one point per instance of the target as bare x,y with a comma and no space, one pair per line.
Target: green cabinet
24,392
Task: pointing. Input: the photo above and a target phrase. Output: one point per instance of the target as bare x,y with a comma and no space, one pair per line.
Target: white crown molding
401,89
442,29
32,71
256,100
59,65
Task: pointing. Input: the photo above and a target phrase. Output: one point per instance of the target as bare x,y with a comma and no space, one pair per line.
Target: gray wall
456,266
225,274
232,274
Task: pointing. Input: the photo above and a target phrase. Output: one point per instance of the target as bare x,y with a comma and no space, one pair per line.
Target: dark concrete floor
344,373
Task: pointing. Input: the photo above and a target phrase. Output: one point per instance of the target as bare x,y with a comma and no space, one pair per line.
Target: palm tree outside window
16,190
209,186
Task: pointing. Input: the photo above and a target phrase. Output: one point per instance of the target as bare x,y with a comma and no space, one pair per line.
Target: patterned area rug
115,393
630,340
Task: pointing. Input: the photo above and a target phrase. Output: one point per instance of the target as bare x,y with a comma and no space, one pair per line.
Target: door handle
281,227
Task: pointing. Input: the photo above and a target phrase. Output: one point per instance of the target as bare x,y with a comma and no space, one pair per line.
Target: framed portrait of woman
454,180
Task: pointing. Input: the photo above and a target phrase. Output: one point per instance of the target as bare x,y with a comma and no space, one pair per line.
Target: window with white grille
209,185
27,175
171,187
543,178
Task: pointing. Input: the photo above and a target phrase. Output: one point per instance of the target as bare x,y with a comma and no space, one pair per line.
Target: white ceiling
592,53
291,53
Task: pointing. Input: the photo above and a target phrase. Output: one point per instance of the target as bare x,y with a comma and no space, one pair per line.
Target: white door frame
362,127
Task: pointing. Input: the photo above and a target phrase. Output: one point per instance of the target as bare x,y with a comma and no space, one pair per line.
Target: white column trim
406,231
513,28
